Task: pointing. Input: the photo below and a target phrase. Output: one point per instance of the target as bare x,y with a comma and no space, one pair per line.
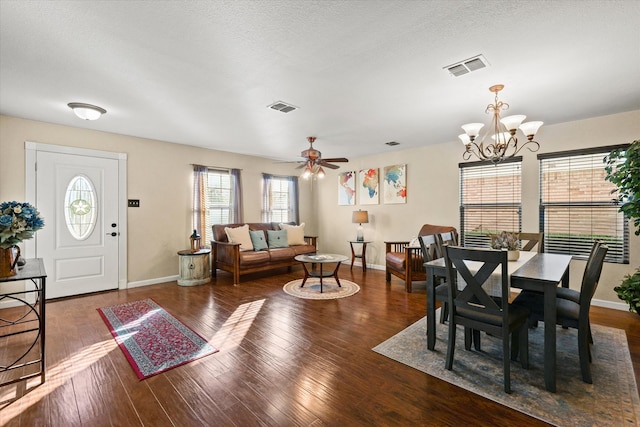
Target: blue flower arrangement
18,222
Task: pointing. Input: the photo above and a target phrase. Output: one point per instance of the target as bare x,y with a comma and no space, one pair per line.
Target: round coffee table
321,259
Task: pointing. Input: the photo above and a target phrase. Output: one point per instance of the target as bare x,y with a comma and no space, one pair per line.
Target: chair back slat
531,240
429,245
447,238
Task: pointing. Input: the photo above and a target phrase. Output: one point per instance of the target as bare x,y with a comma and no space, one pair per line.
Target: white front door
78,197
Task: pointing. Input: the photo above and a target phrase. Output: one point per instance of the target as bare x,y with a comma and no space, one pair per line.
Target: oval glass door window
80,209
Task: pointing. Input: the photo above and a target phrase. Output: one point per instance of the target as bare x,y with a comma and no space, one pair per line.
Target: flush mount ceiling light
502,131
87,111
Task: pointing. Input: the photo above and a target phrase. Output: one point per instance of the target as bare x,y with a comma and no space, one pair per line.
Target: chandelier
499,142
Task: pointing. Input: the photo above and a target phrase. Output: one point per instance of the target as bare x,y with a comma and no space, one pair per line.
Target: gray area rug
612,399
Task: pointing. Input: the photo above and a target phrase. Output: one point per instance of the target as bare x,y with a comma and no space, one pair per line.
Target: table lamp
360,217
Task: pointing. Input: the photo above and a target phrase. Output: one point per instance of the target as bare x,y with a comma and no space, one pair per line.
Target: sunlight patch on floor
236,327
25,395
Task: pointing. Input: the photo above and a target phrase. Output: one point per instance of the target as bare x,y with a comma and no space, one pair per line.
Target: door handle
114,234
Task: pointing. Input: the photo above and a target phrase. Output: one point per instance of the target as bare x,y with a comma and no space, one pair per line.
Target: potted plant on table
507,241
623,170
18,222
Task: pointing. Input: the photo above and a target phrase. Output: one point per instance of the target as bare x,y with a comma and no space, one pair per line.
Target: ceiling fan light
512,122
307,172
86,111
320,172
530,128
472,129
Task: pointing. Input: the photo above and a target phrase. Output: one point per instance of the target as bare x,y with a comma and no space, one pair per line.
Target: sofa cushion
240,235
395,260
295,234
252,258
281,254
304,249
277,239
258,239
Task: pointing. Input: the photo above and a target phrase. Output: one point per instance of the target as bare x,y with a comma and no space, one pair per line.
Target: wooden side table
362,255
194,267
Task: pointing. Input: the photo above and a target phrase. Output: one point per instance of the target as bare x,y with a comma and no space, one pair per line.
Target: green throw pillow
277,239
258,240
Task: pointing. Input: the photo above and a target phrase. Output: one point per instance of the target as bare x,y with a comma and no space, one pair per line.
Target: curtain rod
214,167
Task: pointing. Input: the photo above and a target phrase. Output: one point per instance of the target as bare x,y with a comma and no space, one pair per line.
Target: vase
513,255
9,261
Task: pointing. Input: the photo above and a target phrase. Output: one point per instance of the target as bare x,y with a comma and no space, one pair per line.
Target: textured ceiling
362,72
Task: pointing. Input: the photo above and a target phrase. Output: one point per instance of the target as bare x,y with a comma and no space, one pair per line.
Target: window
217,198
490,200
279,199
577,205
80,207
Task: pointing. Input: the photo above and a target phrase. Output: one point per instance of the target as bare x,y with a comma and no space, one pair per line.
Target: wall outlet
134,203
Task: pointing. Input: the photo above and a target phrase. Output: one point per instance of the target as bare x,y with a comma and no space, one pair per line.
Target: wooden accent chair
572,306
477,311
406,262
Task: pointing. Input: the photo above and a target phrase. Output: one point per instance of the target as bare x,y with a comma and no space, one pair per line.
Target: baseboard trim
152,281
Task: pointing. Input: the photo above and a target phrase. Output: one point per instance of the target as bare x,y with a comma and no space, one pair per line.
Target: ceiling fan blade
336,160
327,165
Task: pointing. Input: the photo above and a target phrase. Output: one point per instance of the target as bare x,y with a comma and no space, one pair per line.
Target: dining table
534,271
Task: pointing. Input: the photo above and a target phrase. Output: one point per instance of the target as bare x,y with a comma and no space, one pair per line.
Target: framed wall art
369,183
394,184
347,188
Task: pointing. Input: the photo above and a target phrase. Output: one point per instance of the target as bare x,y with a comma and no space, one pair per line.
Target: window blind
218,199
577,205
490,200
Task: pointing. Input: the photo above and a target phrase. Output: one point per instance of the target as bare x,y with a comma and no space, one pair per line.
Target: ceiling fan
314,162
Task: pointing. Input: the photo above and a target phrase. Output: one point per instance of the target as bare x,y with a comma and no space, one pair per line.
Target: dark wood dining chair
572,307
446,238
430,252
477,311
530,241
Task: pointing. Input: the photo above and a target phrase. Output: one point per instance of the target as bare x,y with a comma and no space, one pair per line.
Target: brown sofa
228,256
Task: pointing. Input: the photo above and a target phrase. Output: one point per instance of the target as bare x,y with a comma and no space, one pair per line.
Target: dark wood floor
283,361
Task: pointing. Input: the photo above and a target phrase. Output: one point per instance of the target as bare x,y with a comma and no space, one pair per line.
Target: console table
19,324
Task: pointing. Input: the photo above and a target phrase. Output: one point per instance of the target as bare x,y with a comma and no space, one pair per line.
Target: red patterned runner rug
153,340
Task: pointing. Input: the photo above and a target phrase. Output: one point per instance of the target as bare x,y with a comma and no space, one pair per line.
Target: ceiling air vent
282,107
463,67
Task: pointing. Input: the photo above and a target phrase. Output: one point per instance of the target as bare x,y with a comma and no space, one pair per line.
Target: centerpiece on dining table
507,242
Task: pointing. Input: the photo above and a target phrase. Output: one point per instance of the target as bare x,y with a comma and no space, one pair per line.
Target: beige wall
433,189
159,174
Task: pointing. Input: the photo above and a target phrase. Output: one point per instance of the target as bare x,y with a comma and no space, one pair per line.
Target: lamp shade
360,217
